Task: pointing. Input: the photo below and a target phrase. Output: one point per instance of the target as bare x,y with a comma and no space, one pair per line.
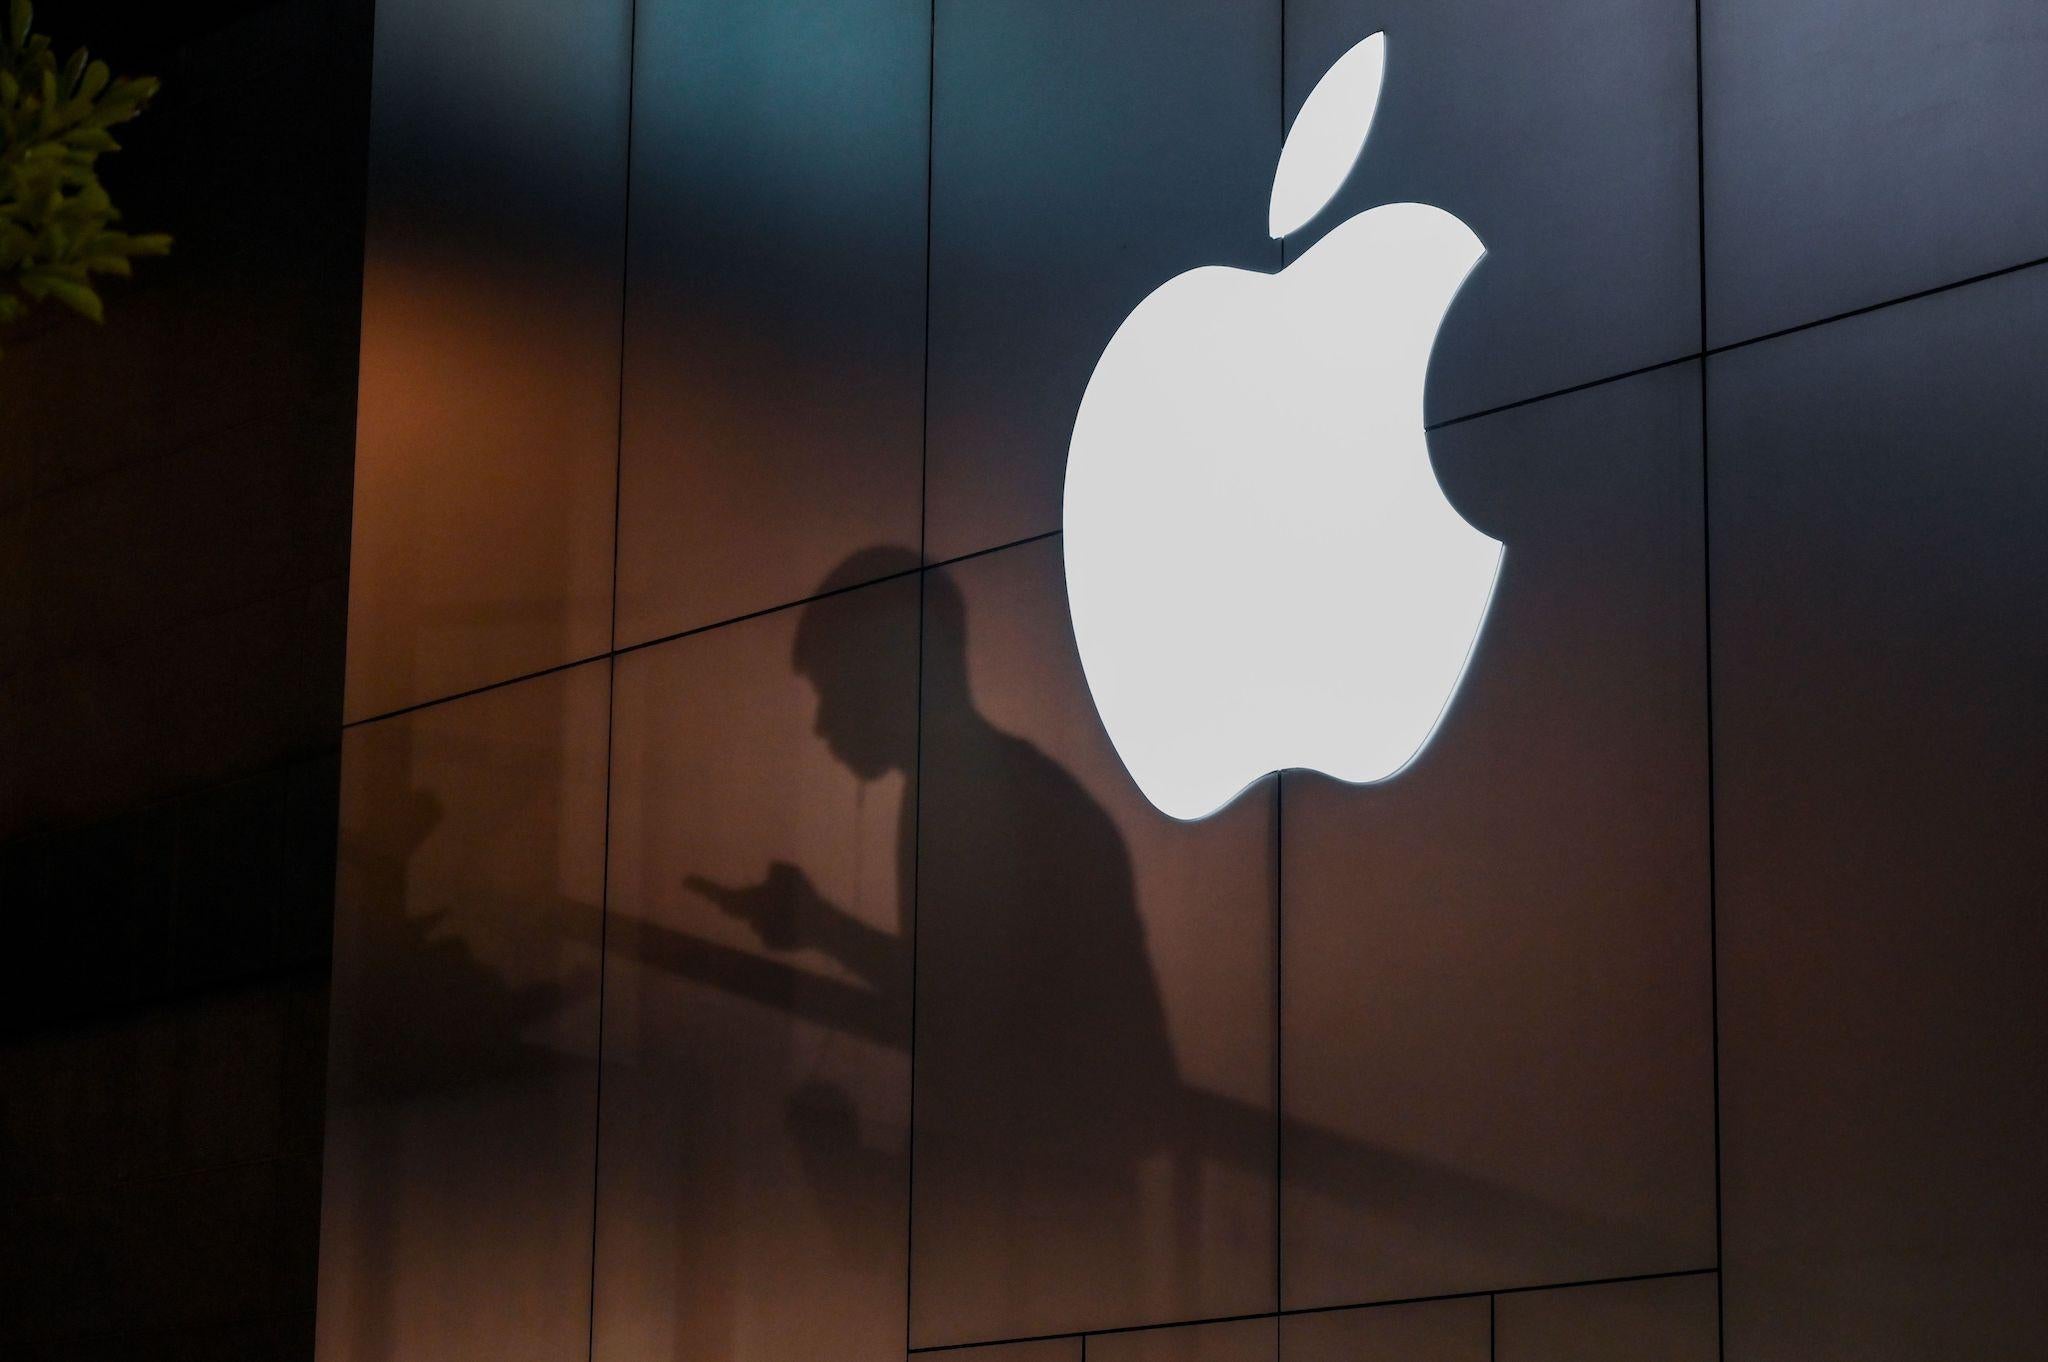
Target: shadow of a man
1043,1069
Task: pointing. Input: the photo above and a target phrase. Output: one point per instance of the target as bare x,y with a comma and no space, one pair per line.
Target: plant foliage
56,222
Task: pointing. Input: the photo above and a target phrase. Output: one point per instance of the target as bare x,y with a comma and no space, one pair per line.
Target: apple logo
1262,569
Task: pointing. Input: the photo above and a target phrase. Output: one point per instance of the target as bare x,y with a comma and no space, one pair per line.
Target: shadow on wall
1071,1082
461,1072
1071,1172
444,1018
1048,1090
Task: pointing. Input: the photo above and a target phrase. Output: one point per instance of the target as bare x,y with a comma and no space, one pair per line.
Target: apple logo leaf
1327,136
1263,572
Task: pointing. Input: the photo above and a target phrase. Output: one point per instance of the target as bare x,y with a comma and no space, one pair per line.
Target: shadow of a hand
778,908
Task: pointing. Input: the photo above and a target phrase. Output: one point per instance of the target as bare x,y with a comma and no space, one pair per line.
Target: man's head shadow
859,718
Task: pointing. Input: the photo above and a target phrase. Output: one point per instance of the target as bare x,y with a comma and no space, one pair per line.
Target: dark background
174,506
1684,1001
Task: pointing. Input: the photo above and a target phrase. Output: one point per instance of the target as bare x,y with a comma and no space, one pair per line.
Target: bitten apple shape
1263,571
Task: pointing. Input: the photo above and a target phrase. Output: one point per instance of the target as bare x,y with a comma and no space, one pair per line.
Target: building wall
749,944
174,504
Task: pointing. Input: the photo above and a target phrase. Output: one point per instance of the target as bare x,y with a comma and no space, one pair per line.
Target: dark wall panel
1251,1340
1496,1020
487,424
1563,134
1432,1331
1880,582
753,1169
462,1064
1855,153
1671,1319
922,1028
775,334
1084,152
1094,1064
1049,1350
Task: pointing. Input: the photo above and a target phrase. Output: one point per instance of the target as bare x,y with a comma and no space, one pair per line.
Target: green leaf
78,297
57,223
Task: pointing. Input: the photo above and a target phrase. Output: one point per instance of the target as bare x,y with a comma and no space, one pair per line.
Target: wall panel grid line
1707,635
1449,423
1635,703
1492,1296
612,647
796,604
924,399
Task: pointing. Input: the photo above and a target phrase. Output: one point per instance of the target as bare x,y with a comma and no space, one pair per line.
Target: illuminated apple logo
1263,572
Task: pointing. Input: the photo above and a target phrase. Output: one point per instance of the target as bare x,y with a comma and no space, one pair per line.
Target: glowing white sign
1263,571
